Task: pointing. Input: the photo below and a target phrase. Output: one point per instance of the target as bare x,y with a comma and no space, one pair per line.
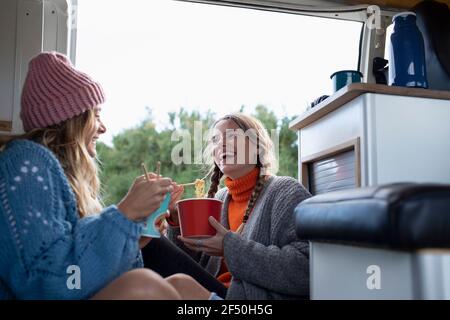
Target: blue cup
150,229
344,77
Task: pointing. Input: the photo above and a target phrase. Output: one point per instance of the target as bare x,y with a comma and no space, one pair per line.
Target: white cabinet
366,135
369,134
347,272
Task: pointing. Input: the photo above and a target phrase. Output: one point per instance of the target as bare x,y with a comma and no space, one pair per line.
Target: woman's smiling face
234,153
98,129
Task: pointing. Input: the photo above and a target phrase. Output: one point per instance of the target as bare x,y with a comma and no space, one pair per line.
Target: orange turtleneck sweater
240,190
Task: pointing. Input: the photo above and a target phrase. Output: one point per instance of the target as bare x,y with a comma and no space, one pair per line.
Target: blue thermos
407,53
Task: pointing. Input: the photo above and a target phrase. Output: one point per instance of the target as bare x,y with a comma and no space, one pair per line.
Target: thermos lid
404,14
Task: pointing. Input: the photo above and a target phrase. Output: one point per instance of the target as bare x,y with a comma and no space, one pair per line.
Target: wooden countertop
354,90
5,125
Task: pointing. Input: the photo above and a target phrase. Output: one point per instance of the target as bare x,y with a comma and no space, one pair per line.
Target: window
163,55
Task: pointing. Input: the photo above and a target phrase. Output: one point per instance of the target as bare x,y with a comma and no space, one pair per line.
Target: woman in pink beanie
58,242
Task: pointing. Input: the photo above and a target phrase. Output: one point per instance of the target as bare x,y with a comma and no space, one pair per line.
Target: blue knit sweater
42,237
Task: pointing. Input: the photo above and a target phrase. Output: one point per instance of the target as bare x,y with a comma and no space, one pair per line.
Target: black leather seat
433,20
397,216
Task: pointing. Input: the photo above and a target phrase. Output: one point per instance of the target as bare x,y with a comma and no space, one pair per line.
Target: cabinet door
333,173
334,169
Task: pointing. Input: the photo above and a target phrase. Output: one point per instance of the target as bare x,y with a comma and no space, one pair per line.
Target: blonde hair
67,141
266,159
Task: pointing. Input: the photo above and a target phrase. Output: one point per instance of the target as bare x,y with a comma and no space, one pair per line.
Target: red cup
194,213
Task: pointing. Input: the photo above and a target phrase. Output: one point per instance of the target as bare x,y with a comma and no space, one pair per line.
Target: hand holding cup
145,196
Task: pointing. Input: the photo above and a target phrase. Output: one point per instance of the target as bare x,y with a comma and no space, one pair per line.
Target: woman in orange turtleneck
255,253
241,190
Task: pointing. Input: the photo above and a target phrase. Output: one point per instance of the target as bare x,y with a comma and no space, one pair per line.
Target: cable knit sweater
267,261
41,234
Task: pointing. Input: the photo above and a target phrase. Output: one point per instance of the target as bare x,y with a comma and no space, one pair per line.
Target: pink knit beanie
54,91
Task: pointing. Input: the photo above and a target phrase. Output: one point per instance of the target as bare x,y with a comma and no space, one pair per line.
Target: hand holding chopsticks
145,196
158,173
148,175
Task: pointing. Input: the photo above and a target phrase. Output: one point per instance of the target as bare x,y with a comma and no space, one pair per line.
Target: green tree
284,137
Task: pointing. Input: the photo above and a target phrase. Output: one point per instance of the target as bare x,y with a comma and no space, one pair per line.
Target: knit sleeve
50,253
283,265
139,262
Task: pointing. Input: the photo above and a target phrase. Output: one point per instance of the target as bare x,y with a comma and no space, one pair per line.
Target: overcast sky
167,54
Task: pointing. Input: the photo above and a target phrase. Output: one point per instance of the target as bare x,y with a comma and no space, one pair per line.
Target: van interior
373,154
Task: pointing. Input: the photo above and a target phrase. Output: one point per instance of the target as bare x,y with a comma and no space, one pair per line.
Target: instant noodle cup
193,216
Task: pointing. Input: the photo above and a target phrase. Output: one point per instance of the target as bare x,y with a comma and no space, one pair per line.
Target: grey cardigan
267,261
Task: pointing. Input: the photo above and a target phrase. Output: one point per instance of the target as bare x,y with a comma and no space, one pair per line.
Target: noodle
199,188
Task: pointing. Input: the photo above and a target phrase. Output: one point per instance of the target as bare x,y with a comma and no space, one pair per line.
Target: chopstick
158,169
158,173
193,183
144,168
188,184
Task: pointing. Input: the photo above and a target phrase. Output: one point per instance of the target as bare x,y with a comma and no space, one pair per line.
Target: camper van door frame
41,25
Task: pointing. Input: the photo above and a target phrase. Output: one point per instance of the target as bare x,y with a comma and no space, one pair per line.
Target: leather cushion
402,216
